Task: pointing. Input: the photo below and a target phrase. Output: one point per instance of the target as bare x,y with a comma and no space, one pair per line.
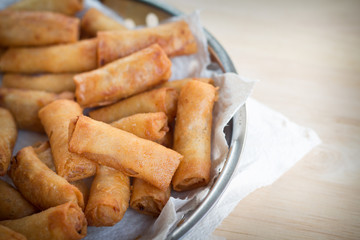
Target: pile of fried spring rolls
145,137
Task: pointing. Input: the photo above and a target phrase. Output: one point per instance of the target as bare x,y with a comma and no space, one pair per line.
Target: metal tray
236,129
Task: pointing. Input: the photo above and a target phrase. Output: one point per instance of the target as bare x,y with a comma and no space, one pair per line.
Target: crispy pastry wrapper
123,151
178,84
151,126
122,78
192,136
12,204
25,104
68,7
39,184
55,83
43,152
94,21
29,28
8,135
56,117
63,58
147,199
8,234
63,222
109,197
157,100
174,37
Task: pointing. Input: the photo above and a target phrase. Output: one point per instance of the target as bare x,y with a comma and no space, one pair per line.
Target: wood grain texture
306,55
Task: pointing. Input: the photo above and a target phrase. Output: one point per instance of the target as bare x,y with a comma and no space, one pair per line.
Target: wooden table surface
306,55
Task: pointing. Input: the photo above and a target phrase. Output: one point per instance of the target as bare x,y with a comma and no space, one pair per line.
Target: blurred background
306,55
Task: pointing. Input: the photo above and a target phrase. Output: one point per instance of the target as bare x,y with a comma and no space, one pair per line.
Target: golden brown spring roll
123,151
8,135
122,78
151,126
178,84
12,204
56,83
56,117
63,58
25,104
94,21
68,7
109,197
62,222
8,234
147,199
192,136
174,37
43,152
39,184
157,100
28,28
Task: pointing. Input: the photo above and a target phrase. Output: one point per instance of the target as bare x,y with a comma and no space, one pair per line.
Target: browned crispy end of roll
147,199
55,83
175,38
151,126
65,221
193,135
109,197
157,100
68,7
39,184
8,135
25,104
122,78
12,204
32,28
8,234
94,21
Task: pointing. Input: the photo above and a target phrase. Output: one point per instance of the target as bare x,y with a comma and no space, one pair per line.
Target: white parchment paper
233,93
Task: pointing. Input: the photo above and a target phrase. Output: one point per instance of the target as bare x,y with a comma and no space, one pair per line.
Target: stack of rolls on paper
81,176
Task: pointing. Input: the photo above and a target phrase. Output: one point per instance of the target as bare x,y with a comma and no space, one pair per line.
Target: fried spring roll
68,7
109,197
25,104
12,204
8,135
123,151
56,117
175,38
62,222
24,28
158,100
178,84
56,83
122,78
43,152
63,58
39,184
8,234
192,136
94,21
148,199
151,126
